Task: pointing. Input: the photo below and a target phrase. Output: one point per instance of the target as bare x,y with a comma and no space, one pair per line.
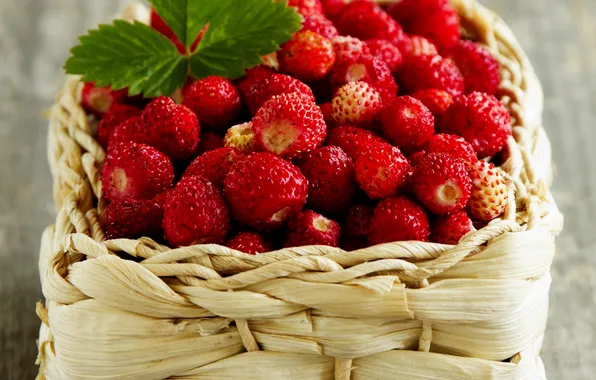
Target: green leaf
239,33
129,55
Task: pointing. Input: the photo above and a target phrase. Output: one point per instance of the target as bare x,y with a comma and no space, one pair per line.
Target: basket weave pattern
135,309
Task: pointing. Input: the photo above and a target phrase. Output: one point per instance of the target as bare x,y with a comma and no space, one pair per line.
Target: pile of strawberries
371,125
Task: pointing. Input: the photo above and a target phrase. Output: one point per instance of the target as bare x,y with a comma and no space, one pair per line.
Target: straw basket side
135,309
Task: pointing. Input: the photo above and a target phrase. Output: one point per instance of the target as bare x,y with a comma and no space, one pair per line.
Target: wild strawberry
249,242
481,119
135,171
437,101
453,145
117,115
417,46
264,191
331,181
209,141
308,56
333,8
253,76
382,173
310,228
398,219
424,72
214,165
417,157
451,228
489,192
349,47
386,52
171,128
99,100
479,67
215,101
356,103
327,114
320,25
132,219
441,27
132,130
441,183
355,142
276,84
367,69
195,212
241,137
289,125
407,123
357,221
307,7
408,11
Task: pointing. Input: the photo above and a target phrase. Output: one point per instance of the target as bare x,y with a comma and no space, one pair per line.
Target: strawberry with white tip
490,196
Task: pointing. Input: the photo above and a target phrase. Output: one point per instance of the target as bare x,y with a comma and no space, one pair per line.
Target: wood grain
35,36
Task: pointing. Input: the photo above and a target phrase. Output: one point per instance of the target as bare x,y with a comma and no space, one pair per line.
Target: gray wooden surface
559,35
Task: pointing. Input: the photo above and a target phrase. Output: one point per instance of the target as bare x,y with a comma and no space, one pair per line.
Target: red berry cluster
371,125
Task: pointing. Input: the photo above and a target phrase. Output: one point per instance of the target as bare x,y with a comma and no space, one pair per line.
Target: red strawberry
383,172
386,52
308,56
480,119
99,100
349,47
333,8
214,165
453,145
451,228
357,222
367,69
253,76
264,191
307,7
132,130
310,228
407,123
289,125
437,101
276,84
327,114
117,115
424,72
489,193
398,219
441,183
356,103
132,219
215,101
135,171
355,142
408,11
195,212
479,67
320,25
209,141
331,181
441,27
249,242
416,158
417,46
171,128
241,137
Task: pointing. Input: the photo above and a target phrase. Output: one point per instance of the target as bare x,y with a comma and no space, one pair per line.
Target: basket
135,309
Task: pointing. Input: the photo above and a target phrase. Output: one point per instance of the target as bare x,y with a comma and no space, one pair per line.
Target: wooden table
35,36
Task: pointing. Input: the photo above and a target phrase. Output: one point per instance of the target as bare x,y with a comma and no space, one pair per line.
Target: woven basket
134,309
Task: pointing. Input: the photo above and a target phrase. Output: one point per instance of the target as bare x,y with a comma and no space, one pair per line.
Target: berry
349,47
451,228
308,56
171,128
253,76
365,19
408,11
289,125
320,25
437,101
209,141
424,72
383,172
214,165
132,130
310,228
331,180
416,158
479,68
195,212
453,145
357,222
407,123
307,7
276,84
366,69
398,219
441,27
264,191
355,142
356,103
489,192
99,100
132,219
135,171
441,183
333,8
327,114
417,46
215,101
117,115
481,120
249,242
240,137
386,52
